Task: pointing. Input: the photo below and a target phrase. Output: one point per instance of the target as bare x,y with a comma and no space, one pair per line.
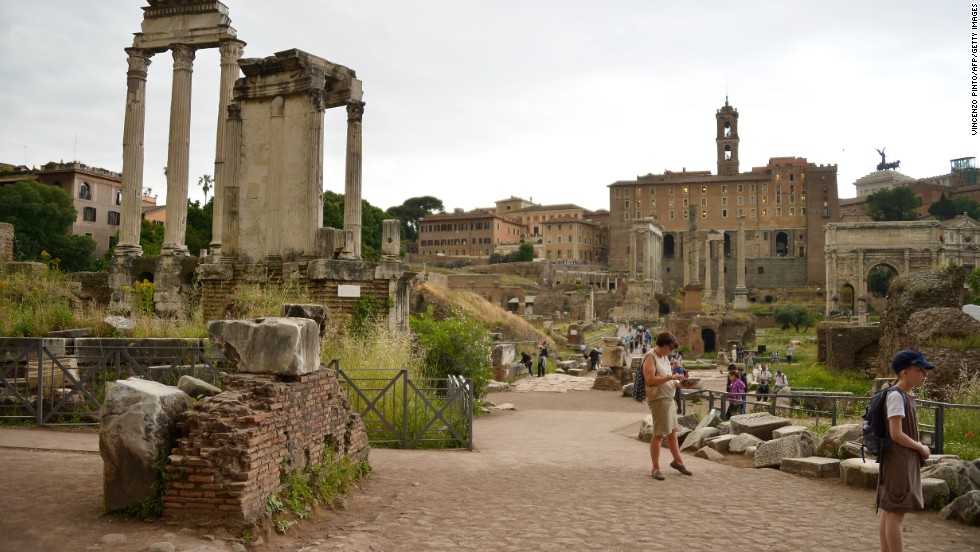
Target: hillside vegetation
495,319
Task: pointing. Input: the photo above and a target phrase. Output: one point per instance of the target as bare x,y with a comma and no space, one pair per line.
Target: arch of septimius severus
268,174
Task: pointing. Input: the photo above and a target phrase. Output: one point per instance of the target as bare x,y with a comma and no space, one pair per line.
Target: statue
885,165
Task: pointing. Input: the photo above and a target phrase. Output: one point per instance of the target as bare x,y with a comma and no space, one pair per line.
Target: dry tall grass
491,316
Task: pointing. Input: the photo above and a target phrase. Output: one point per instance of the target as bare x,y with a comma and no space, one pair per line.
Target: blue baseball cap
909,357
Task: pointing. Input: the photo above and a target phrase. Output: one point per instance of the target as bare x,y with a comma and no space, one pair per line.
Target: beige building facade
474,233
785,205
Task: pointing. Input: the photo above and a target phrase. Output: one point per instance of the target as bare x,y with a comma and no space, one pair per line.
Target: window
704,213
704,189
724,213
626,215
704,202
751,187
751,200
653,190
792,211
559,228
653,203
765,212
739,188
765,187
670,215
684,189
752,212
617,193
670,190
88,214
791,179
626,192
762,270
741,212
686,203
779,213
724,201
559,239
85,192
685,213
724,188
638,215
637,193
118,198
626,204
741,200
765,200
569,238
114,218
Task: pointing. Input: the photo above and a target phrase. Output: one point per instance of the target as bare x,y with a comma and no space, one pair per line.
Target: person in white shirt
763,379
780,381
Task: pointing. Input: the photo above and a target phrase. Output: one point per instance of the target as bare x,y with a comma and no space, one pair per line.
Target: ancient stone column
695,248
707,293
741,293
632,256
832,287
132,169
352,184
721,271
231,52
314,188
230,189
860,293
179,150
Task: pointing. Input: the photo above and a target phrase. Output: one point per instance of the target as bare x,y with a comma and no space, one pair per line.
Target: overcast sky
474,101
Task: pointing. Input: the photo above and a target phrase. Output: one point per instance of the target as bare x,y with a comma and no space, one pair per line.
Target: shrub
457,345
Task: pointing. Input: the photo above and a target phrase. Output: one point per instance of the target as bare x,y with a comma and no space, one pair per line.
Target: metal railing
837,409
45,388
411,412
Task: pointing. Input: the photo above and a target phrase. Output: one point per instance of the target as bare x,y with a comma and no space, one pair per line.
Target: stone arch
845,298
781,242
877,279
709,338
668,246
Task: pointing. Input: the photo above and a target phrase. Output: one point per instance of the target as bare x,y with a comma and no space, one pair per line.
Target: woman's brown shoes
680,468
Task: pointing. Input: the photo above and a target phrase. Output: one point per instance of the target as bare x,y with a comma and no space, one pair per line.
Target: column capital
183,57
139,61
355,111
235,111
231,50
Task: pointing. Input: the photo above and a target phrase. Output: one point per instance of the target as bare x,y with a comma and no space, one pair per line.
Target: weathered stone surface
743,441
855,472
724,428
698,437
771,453
760,424
502,354
316,313
852,449
121,324
750,450
612,355
139,420
280,346
54,376
786,431
832,441
497,386
196,388
709,454
935,493
721,442
965,508
961,476
713,419
605,380
937,458
646,429
628,390
690,421
814,467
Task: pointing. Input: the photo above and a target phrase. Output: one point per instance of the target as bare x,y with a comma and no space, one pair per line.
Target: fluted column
231,52
632,255
708,292
132,168
352,184
721,271
741,293
860,293
315,168
179,150
230,206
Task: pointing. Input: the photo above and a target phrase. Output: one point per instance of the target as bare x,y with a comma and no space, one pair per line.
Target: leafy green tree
973,280
151,238
788,314
42,216
525,253
946,208
896,204
414,209
197,235
457,345
878,280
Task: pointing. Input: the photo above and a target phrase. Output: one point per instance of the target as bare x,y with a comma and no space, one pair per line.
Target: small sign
348,291
572,332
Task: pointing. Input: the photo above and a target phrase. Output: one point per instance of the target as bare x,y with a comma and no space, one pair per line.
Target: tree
791,315
42,216
206,184
151,238
197,235
458,345
946,208
896,204
371,217
525,253
414,209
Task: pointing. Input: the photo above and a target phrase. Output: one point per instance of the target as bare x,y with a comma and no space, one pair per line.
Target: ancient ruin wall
234,446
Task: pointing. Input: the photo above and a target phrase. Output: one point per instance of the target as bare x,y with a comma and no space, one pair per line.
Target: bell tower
727,140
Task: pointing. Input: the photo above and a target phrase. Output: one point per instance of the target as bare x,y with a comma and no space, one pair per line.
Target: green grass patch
303,490
817,375
965,343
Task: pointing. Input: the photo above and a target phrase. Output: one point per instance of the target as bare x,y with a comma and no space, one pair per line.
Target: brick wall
234,447
6,242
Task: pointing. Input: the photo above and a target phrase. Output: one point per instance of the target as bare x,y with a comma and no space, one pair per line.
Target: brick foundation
234,447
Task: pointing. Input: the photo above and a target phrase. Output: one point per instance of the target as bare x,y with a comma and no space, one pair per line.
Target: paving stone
815,467
856,472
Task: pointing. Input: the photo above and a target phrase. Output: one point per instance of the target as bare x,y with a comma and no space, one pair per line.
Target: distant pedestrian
526,361
735,395
899,481
789,353
593,357
542,358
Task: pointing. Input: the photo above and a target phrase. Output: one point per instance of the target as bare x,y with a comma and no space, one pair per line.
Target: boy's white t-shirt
895,404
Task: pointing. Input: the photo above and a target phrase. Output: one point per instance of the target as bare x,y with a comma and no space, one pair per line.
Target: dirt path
559,473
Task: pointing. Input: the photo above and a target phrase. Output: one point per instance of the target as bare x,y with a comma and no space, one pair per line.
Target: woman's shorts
664,413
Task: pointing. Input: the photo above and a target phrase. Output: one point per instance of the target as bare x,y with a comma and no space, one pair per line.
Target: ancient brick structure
235,446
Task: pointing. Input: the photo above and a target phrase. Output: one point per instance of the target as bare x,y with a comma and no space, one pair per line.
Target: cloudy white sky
474,101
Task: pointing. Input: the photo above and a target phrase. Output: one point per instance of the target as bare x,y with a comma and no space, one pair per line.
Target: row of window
724,213
724,201
740,188
458,241
85,192
89,214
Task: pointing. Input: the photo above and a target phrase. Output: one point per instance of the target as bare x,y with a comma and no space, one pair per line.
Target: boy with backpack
899,483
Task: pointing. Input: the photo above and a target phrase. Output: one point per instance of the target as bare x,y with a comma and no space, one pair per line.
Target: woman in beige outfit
660,385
